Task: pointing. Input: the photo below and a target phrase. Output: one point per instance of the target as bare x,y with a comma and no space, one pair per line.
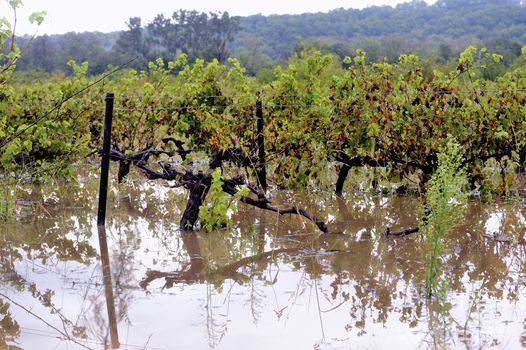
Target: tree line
439,31
199,35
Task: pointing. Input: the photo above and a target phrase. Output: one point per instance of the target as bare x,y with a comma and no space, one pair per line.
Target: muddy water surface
265,283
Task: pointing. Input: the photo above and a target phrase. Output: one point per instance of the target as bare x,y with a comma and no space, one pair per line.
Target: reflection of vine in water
473,254
372,270
439,323
255,300
377,277
19,246
47,244
145,204
94,314
244,271
444,330
397,259
9,328
198,271
69,331
215,328
319,309
373,277
257,296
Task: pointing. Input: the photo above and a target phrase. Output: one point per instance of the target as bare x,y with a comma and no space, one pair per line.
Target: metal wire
124,97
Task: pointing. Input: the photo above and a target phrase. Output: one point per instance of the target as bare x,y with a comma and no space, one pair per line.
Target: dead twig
405,232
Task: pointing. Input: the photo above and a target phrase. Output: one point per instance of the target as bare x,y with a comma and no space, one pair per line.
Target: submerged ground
266,282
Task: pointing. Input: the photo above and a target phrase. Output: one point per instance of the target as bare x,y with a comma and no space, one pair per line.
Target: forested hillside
439,31
411,25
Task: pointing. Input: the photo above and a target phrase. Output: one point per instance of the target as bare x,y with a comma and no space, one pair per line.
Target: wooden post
105,163
101,221
261,170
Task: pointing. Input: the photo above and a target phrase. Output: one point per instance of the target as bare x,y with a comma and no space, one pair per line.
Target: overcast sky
110,15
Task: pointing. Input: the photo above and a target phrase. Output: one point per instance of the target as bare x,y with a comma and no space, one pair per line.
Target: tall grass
8,187
446,199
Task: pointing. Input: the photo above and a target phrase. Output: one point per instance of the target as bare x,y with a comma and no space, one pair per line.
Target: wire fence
256,96
199,102
267,101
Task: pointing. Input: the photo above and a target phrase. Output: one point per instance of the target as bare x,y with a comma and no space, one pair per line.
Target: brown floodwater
266,282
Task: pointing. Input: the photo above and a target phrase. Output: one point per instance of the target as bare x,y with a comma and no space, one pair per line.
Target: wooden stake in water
101,222
105,164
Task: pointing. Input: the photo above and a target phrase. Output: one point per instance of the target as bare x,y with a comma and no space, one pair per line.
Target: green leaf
28,145
15,3
497,58
11,151
37,17
466,57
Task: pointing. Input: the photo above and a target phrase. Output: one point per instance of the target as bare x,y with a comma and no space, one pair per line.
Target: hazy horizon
108,16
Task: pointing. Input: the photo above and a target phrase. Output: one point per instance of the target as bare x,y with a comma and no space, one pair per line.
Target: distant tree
253,56
41,55
10,51
197,34
82,47
50,53
132,44
509,49
445,52
221,29
323,45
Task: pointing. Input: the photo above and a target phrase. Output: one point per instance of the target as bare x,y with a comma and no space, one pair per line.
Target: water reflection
267,282
108,286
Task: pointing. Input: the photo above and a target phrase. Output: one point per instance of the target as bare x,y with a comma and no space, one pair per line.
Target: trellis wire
57,105
261,96
122,99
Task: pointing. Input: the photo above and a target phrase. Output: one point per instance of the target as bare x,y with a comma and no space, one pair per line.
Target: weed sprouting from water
215,214
8,188
445,204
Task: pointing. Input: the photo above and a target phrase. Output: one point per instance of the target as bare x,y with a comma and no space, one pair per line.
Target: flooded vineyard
267,282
